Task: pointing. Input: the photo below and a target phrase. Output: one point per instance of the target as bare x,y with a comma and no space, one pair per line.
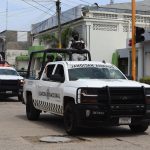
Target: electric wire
34,6
41,4
41,10
3,12
85,2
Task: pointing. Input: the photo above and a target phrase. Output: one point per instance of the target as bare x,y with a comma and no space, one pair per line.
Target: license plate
124,120
8,92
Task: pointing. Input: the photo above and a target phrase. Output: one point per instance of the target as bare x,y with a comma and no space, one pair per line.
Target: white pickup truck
11,83
86,94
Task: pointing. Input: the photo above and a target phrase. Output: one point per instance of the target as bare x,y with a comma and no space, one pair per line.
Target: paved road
17,133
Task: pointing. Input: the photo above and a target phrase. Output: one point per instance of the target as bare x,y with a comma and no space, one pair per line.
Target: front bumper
10,88
101,115
9,92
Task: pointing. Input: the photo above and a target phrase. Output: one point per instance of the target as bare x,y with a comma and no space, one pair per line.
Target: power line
71,1
41,4
67,4
85,2
3,12
34,6
44,1
41,10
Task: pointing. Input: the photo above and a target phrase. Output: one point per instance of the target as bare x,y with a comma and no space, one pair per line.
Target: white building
104,29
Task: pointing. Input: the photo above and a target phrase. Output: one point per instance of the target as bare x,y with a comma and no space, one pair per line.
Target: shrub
145,80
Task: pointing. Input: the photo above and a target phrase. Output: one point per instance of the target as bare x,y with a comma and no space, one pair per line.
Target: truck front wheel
70,121
20,98
31,112
138,128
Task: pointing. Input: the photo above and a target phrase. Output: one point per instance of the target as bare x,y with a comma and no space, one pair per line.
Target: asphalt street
18,133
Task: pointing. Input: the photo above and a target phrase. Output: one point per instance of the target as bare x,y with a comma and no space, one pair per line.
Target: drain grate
54,139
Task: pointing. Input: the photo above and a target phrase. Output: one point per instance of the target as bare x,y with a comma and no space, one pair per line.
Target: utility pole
111,2
58,9
133,40
6,14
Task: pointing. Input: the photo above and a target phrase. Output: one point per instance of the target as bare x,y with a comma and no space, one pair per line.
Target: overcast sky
22,13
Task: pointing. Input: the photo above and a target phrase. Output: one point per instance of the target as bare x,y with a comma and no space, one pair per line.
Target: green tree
65,36
53,40
49,38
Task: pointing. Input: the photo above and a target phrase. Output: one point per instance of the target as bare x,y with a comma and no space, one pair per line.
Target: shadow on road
9,99
56,123
47,121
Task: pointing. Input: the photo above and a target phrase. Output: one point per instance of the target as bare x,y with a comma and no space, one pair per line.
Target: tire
31,112
20,98
70,120
138,128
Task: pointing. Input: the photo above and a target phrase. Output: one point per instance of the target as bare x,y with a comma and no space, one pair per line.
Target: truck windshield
8,72
94,73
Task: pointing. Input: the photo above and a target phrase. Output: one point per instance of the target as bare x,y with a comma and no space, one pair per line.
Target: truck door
43,87
50,92
56,89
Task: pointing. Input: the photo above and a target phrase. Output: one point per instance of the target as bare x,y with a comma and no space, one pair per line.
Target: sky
20,14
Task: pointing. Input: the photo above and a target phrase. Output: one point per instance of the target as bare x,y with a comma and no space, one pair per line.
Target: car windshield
8,72
94,73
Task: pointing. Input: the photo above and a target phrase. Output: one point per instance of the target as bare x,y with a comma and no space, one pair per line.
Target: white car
11,83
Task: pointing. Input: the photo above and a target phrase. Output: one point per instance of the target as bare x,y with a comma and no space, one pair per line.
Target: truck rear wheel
70,121
138,128
31,112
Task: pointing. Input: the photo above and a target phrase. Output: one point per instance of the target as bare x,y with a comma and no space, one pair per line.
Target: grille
126,96
102,96
9,84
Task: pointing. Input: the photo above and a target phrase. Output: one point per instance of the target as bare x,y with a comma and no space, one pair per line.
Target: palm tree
53,40
49,39
65,36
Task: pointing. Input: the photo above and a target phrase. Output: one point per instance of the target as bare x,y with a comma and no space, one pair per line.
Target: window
60,70
48,72
35,68
8,72
95,73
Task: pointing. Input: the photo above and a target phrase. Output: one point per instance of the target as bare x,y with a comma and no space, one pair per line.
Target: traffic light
139,34
130,42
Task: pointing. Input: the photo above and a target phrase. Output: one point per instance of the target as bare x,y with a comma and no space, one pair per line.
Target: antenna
111,1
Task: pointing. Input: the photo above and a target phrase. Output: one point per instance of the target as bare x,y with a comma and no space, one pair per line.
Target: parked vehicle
85,93
11,83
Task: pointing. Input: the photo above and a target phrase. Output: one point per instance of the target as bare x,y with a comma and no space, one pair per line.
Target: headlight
147,92
87,96
21,82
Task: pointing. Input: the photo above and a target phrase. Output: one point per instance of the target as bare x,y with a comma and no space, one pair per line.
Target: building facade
104,29
14,43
